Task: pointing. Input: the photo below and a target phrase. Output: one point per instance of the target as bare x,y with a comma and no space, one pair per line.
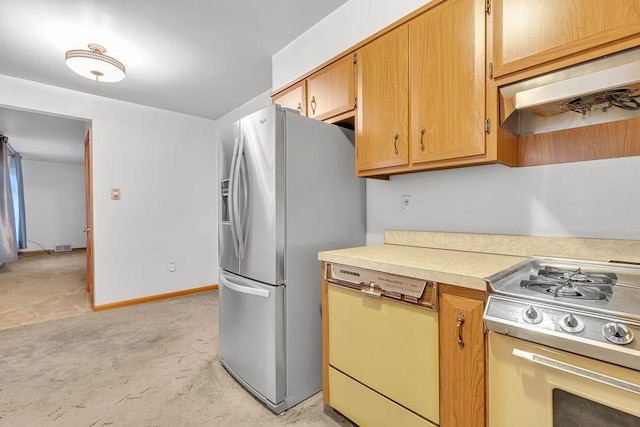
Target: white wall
353,22
54,204
598,199
261,101
585,199
164,164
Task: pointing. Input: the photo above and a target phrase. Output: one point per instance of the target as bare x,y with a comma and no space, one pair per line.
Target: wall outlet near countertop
405,203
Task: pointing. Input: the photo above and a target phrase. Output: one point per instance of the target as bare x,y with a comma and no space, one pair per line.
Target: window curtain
17,193
8,242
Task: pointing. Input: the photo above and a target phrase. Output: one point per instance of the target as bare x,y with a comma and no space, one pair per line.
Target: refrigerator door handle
236,202
232,197
244,289
243,228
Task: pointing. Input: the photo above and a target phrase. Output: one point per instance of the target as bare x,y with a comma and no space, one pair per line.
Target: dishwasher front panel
388,346
365,407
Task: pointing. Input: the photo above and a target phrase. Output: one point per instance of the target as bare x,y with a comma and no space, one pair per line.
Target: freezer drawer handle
576,370
244,289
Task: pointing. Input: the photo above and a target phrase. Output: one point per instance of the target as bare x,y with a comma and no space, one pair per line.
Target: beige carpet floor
153,364
42,287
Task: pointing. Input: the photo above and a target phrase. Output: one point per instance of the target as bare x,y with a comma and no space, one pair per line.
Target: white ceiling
197,57
44,137
202,58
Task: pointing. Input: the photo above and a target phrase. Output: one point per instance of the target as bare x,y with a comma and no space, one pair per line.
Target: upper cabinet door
294,97
447,82
331,90
528,33
383,99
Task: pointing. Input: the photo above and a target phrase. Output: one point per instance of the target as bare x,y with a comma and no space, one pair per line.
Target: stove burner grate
572,283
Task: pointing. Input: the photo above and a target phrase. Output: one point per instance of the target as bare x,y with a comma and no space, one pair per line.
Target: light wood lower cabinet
462,357
378,358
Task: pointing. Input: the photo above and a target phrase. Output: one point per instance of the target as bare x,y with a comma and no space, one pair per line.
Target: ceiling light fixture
94,64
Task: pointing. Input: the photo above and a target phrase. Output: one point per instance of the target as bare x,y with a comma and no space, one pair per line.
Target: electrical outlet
172,265
405,203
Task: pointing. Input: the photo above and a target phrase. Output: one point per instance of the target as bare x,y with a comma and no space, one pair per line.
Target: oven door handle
576,370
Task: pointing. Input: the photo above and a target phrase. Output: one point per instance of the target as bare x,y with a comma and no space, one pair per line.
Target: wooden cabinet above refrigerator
327,94
458,55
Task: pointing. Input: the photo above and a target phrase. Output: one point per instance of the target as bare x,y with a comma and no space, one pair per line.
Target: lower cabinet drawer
365,407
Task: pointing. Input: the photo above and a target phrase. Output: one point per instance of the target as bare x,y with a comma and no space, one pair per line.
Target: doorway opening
53,276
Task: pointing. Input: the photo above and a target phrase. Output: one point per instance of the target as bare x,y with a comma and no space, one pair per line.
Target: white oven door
533,385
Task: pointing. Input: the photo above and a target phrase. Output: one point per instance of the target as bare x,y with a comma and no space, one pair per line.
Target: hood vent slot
625,98
599,91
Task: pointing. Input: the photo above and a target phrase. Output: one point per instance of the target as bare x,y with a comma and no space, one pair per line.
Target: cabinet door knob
299,108
313,105
396,135
86,230
422,131
459,324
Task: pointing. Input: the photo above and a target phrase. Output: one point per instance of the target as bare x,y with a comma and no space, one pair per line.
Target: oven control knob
531,315
571,323
617,333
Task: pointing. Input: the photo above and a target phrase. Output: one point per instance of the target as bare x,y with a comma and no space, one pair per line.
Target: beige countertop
468,269
468,259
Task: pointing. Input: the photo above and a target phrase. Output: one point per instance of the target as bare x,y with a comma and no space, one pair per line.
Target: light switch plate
115,194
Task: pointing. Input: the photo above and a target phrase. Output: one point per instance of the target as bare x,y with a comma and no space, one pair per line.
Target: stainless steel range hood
599,91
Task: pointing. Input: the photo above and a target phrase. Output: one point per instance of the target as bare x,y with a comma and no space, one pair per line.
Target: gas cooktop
605,288
585,307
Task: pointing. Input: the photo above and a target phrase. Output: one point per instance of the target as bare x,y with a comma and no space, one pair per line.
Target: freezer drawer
252,334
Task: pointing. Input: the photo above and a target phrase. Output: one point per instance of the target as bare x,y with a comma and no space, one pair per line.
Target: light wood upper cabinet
424,99
294,97
529,33
383,100
331,90
462,357
447,82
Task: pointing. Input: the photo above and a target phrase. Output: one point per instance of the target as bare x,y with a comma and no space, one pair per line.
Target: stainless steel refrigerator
287,190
